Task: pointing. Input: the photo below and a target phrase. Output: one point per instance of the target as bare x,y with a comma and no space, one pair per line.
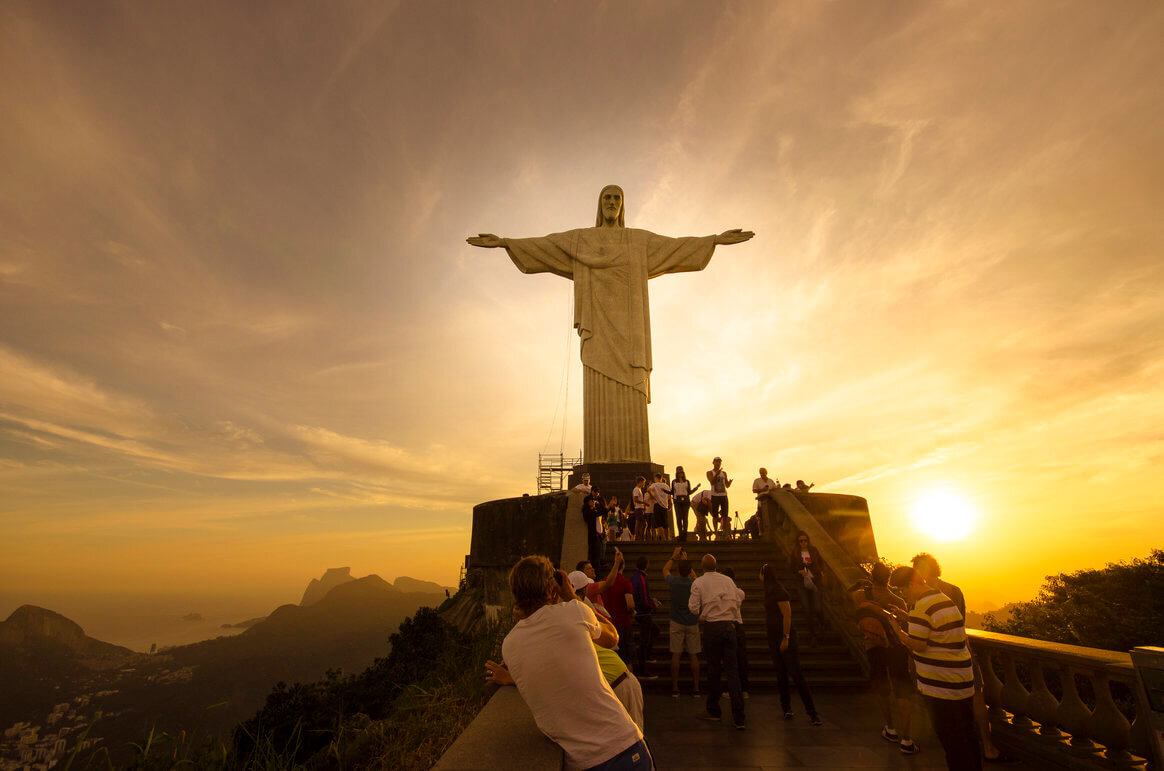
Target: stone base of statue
616,478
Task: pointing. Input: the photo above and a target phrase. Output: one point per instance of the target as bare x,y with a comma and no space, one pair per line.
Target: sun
944,514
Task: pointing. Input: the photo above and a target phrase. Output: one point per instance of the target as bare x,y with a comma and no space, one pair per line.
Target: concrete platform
849,739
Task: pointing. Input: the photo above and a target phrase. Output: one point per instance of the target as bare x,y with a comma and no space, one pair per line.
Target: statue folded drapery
610,265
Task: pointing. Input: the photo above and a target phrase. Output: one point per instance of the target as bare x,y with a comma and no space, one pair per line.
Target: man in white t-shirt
660,493
763,486
550,656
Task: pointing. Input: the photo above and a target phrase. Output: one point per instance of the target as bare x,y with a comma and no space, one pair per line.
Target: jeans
634,758
682,509
742,657
648,631
810,601
788,665
954,724
719,645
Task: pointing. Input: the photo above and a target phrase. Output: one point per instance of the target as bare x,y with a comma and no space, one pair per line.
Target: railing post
1075,717
1042,704
1014,695
1109,725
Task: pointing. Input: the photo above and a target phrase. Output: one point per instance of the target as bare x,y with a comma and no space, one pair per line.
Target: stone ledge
502,736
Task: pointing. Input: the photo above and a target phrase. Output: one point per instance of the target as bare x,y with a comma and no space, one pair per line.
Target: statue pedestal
616,478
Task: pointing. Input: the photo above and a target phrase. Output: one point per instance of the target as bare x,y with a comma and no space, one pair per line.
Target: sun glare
943,514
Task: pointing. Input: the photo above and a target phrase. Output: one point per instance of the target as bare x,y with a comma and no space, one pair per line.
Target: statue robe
610,268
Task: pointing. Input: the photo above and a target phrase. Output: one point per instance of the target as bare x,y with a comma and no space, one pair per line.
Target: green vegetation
402,712
1116,608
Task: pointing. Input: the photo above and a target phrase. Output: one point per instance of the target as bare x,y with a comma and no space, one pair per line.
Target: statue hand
486,241
735,236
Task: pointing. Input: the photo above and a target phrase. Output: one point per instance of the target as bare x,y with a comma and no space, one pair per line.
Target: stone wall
846,519
506,530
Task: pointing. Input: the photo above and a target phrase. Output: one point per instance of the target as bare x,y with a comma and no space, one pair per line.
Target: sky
243,339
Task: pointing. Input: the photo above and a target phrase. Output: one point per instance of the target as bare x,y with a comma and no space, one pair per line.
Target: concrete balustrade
1064,729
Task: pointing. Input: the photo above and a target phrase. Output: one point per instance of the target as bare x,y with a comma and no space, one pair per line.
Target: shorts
659,516
719,506
893,662
685,638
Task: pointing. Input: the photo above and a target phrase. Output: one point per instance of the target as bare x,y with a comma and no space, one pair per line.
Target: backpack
638,591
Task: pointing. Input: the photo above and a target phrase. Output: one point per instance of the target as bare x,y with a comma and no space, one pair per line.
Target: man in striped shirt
937,641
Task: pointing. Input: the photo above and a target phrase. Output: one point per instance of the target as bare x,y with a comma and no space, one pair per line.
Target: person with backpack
888,658
644,607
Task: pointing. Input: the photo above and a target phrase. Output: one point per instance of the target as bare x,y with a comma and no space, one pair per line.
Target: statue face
610,203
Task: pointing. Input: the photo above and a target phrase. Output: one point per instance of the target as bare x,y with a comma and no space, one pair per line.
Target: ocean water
139,620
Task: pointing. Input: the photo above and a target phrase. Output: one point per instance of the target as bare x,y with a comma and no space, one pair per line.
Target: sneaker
697,694
788,716
890,735
909,749
741,726
816,721
674,694
745,694
709,717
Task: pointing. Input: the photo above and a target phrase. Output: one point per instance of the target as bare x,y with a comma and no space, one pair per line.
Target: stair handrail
781,517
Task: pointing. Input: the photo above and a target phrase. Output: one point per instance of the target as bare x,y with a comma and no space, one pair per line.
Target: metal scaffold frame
553,470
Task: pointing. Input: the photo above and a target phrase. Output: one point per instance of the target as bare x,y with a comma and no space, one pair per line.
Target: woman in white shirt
682,491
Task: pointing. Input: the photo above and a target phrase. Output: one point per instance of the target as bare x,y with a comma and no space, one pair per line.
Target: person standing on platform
660,493
937,641
682,490
684,626
716,601
931,572
783,646
763,486
639,509
718,478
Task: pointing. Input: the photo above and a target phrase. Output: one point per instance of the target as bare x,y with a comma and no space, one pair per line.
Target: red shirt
615,600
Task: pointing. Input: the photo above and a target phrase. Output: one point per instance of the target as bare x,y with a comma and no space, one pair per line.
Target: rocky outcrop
30,628
319,587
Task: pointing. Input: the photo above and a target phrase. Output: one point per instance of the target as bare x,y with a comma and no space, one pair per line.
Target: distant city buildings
25,748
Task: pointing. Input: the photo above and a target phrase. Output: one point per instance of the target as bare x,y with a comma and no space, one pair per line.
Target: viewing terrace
1051,706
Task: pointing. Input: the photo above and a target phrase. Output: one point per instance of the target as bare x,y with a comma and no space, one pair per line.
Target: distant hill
172,690
406,584
41,653
319,587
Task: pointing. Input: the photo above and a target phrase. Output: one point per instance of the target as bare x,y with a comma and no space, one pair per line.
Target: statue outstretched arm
735,236
486,241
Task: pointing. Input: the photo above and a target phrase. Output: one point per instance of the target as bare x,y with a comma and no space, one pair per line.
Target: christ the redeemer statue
610,265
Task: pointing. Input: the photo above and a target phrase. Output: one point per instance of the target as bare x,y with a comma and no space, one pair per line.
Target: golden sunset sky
243,340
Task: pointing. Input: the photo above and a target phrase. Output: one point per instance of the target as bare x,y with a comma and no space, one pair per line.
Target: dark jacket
797,565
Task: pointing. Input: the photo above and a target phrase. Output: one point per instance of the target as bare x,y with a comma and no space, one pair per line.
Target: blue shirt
680,594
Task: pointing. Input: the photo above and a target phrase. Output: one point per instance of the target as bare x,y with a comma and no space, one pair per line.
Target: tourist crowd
581,644
654,506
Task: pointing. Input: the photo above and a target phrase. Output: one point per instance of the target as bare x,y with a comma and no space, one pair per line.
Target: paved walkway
849,739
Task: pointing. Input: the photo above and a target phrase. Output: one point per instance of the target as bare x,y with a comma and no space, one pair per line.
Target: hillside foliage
1117,607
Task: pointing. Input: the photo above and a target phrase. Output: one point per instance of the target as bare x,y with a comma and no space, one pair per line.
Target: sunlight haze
243,339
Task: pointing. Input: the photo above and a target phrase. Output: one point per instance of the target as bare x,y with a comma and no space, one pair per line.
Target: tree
1116,607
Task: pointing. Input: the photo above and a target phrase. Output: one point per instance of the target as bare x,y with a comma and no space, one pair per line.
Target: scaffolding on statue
553,470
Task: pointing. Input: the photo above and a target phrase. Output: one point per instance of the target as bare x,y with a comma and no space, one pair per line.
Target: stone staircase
829,664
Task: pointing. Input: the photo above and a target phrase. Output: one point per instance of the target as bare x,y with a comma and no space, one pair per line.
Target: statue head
611,199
